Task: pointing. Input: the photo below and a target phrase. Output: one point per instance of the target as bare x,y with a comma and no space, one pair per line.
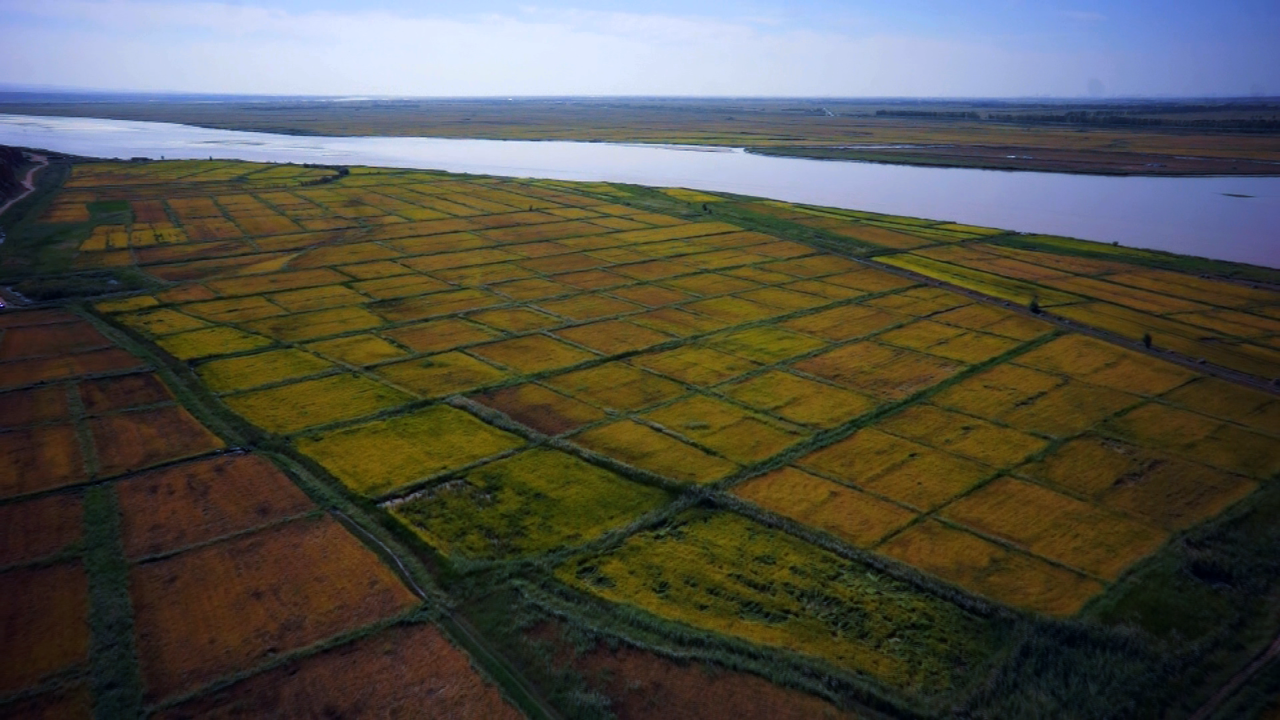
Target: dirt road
29,182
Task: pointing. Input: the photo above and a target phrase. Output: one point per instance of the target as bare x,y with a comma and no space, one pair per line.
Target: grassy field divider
115,675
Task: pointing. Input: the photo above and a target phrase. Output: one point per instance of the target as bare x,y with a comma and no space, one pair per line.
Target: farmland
344,414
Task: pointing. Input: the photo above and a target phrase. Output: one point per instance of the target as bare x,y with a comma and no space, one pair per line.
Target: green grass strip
116,680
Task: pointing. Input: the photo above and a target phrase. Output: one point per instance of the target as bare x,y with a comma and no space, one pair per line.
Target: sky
800,48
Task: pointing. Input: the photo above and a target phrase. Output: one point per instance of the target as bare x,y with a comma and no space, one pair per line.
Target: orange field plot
247,371
737,434
532,354
436,305
376,457
358,349
443,374
1099,542
783,299
141,438
612,337
532,289
44,613
816,266
879,370
33,406
259,595
35,370
399,286
234,310
530,503
1210,396
953,343
647,449
40,458
122,392
853,516
317,298
515,319
696,365
896,468
440,335
588,306
652,270
999,390
678,322
195,502
1231,322
400,671
991,570
591,280
765,345
963,435
1099,363
768,277
210,342
651,295
43,340
844,323
800,400
1199,438
317,324
709,284
822,289
138,302
478,275
540,408
35,529
1126,296
296,406
290,280
732,310
1158,489
1205,290
617,386
374,270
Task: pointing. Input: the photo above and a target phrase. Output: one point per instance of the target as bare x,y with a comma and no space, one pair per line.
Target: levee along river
1225,218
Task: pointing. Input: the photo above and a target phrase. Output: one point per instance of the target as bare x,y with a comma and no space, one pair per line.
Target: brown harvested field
75,703
122,392
45,340
141,438
854,516
274,591
40,458
36,529
195,502
539,408
34,370
44,620
404,671
645,686
990,570
35,405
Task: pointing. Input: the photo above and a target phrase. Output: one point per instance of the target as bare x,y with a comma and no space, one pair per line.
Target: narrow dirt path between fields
29,182
1206,711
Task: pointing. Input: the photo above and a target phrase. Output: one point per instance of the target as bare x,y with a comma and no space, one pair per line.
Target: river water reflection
1195,216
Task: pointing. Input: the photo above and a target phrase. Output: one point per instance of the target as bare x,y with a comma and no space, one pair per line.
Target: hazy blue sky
647,47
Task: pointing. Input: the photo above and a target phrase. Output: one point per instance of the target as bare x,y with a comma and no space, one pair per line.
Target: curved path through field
29,182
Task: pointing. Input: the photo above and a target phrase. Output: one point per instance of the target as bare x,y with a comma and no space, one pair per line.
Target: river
1227,218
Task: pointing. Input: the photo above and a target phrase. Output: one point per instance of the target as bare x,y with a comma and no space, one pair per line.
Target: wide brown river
1218,217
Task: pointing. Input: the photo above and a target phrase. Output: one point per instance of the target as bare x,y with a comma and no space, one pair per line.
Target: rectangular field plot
991,570
696,365
844,323
643,447
234,310
247,371
46,623
1199,438
36,529
532,354
723,573
1077,534
882,371
358,349
54,339
33,406
122,392
533,502
296,406
256,596
765,345
399,671
40,458
441,335
963,435
1099,363
617,386
953,343
851,515
141,438
544,410
312,325
1209,396
611,337
1154,487
996,321
734,433
173,507
376,457
896,468
211,342
441,375
800,400
159,322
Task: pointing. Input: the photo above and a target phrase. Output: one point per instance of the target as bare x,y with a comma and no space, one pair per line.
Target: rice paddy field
408,440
